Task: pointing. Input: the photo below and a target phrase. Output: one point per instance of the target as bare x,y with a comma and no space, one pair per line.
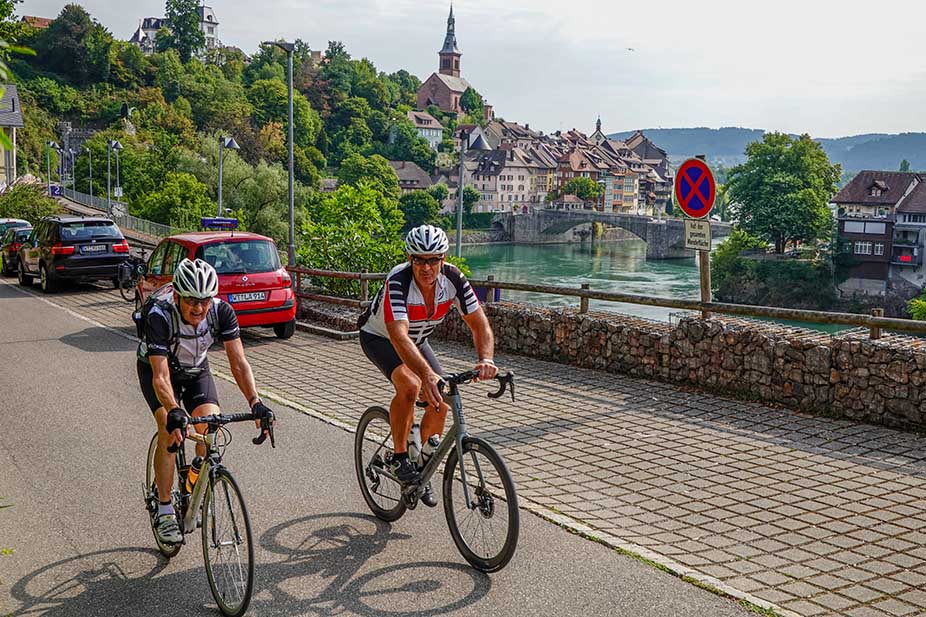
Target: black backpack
140,317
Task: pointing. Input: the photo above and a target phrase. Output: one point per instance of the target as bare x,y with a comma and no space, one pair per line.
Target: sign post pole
695,191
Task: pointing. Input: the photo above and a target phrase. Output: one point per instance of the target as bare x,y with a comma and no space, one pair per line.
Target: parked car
7,223
9,248
77,248
251,278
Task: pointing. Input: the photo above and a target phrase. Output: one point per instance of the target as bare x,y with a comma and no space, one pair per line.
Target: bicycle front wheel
168,550
372,456
486,529
227,547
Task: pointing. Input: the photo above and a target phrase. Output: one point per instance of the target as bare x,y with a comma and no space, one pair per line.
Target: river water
606,266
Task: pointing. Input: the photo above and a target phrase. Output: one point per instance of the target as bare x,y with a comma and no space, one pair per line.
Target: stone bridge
665,238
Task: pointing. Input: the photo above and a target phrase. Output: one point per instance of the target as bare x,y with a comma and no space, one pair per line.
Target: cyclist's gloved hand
177,421
260,410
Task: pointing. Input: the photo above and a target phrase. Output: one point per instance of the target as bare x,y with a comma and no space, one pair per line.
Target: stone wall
880,382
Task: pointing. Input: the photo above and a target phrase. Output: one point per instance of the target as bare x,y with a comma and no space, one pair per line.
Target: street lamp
224,142
289,48
478,144
111,145
73,154
90,160
49,145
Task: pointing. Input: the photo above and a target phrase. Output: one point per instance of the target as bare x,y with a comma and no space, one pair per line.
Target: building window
875,192
879,248
863,248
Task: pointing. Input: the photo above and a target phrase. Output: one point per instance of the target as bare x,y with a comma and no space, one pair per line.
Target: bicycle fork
456,402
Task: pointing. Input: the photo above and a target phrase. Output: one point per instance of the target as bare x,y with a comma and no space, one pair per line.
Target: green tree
471,102
373,169
183,33
419,207
75,46
781,192
27,202
905,165
354,228
585,189
440,192
180,201
917,308
470,198
270,99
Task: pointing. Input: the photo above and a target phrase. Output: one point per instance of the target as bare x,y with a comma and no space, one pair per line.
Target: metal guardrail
875,322
120,215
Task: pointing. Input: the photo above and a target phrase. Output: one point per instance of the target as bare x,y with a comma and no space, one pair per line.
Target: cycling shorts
189,392
381,353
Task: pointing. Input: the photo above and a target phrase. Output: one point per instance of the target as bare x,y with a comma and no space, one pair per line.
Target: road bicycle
479,497
127,277
217,507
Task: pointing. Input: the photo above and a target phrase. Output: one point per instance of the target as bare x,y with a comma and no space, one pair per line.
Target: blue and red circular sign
695,188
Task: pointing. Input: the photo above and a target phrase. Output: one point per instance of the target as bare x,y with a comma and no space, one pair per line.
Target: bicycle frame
212,462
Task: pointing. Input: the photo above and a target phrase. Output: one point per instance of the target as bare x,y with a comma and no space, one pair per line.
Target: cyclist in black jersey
394,334
172,366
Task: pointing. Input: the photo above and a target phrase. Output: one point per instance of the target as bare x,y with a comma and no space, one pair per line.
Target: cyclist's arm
161,382
483,341
412,358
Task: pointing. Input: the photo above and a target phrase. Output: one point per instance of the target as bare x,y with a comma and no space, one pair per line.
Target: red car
251,278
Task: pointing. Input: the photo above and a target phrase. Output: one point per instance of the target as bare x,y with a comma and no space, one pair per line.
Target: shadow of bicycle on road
336,547
325,551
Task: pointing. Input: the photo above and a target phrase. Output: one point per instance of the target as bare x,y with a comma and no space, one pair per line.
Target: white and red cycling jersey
400,299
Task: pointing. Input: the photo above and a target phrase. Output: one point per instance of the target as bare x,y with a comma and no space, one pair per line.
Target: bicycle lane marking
681,571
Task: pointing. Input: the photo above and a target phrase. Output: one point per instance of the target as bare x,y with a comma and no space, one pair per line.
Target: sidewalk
816,516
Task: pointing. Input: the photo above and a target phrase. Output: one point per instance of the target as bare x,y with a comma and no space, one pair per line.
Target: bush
27,202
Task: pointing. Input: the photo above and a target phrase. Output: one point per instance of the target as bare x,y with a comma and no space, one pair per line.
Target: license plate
93,248
248,297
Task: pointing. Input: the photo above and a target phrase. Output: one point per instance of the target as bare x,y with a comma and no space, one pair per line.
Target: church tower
450,55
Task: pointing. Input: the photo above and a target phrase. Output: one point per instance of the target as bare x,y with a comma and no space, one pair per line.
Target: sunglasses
191,302
430,261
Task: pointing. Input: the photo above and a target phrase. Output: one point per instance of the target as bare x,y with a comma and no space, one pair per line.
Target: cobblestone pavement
817,516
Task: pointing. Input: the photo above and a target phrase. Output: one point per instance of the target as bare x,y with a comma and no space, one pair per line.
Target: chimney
527,126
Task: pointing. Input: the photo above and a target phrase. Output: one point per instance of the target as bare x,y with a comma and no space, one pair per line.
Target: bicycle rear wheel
126,285
151,494
487,533
227,548
372,454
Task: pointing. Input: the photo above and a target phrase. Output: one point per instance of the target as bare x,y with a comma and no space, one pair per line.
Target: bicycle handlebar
505,381
216,420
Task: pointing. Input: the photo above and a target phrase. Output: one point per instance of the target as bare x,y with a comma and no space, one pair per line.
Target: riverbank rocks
877,381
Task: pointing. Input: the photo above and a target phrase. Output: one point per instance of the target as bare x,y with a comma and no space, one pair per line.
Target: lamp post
224,142
478,144
73,155
111,145
49,146
90,161
289,48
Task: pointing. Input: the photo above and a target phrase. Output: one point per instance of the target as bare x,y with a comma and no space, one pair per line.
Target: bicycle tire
366,461
168,550
485,490
223,493
126,287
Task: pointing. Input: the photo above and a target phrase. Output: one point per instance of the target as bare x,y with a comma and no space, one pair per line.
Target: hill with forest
727,145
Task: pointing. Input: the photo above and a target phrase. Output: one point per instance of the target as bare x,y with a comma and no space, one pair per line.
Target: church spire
450,54
598,124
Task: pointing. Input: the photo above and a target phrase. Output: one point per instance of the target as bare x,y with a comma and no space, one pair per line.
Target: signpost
695,191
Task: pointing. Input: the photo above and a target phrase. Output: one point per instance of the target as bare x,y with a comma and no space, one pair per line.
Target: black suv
79,248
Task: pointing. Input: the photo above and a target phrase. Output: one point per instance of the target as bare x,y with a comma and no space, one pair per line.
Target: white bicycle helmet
426,240
196,279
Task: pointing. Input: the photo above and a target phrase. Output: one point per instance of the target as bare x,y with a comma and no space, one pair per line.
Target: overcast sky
827,67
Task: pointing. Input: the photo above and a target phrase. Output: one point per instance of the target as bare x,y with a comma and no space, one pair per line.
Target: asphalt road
73,436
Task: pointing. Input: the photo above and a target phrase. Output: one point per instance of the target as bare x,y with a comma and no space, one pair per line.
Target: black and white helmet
196,279
426,240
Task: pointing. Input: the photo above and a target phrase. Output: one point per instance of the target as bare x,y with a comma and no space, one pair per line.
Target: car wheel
24,279
284,330
48,283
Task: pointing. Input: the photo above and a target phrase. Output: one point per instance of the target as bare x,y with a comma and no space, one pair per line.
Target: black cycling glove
260,410
177,418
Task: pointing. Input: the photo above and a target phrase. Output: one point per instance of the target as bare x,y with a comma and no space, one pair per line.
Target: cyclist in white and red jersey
394,332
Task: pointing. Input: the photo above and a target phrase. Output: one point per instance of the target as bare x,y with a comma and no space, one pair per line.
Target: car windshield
90,230
241,257
7,225
22,234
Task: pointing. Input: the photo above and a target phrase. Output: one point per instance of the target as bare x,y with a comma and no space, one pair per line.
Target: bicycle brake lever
504,382
266,424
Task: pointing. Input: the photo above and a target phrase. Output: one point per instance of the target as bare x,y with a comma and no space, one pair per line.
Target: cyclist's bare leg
163,460
432,423
402,408
205,409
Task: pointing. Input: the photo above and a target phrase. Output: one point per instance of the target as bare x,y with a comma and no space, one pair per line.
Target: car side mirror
141,269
